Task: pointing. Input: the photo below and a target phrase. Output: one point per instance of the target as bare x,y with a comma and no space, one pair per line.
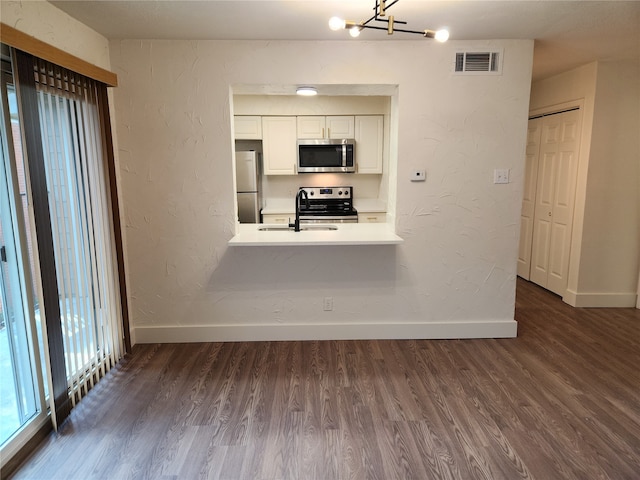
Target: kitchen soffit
323,89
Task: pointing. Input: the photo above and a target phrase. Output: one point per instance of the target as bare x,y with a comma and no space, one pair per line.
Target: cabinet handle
328,132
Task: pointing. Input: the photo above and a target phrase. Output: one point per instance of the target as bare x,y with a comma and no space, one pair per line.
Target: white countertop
286,206
346,234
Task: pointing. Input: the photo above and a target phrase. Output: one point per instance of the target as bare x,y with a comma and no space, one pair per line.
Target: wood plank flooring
561,401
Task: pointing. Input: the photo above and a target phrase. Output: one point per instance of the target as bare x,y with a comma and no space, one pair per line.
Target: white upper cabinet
279,136
339,126
369,136
279,148
311,126
247,127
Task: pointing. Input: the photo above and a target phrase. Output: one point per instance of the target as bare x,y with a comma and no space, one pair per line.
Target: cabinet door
340,127
247,127
277,219
372,217
311,127
279,150
369,135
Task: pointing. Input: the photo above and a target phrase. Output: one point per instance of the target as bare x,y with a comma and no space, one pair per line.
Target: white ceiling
567,33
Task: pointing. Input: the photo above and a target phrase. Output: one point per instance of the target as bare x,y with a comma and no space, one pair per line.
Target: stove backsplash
286,186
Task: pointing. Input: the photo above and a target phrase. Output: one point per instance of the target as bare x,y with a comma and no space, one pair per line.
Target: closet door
555,195
534,133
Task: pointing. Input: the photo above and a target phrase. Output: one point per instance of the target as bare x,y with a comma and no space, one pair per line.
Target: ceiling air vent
478,63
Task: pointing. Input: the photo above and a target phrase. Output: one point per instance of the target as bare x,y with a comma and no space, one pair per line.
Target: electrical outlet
501,175
418,176
327,304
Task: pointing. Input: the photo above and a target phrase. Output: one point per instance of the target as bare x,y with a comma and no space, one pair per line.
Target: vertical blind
79,210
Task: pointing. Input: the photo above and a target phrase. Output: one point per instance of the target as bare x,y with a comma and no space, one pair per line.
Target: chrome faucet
301,193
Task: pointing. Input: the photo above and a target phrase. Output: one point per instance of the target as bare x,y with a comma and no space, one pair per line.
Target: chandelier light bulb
336,23
442,35
354,32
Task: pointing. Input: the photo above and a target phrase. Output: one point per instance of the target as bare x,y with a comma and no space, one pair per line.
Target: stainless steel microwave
326,155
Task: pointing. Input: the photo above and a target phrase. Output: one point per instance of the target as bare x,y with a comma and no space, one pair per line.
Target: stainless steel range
328,205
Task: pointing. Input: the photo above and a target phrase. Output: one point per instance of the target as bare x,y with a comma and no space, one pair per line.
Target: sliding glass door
62,188
21,395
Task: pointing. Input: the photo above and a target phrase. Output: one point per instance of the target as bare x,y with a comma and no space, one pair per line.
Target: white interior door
534,133
555,194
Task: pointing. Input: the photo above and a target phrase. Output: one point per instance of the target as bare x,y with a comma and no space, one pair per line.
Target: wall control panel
418,175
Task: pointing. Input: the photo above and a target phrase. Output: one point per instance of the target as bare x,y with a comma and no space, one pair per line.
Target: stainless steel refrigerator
248,187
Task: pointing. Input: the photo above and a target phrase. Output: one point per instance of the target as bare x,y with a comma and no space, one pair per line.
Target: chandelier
380,10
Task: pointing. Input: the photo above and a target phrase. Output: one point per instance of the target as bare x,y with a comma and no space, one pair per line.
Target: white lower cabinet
279,150
372,217
277,219
280,219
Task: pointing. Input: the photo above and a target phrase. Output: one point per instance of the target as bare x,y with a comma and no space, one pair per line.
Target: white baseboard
360,331
600,300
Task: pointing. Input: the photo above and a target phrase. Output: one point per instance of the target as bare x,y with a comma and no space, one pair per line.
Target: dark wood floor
561,401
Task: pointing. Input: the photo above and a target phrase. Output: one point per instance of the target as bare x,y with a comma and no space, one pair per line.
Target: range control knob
339,192
311,193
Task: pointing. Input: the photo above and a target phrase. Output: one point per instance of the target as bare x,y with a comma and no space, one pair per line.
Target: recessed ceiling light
307,91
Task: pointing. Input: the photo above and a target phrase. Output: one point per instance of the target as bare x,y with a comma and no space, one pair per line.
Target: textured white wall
42,20
611,239
454,276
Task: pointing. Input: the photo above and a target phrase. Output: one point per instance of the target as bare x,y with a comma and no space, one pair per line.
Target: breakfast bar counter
253,234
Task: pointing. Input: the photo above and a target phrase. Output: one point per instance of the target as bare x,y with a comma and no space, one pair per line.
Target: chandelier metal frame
380,11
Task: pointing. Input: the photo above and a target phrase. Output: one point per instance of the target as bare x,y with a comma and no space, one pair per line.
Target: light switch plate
418,175
501,175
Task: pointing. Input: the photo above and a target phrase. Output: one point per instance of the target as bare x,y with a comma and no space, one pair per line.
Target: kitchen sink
308,228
